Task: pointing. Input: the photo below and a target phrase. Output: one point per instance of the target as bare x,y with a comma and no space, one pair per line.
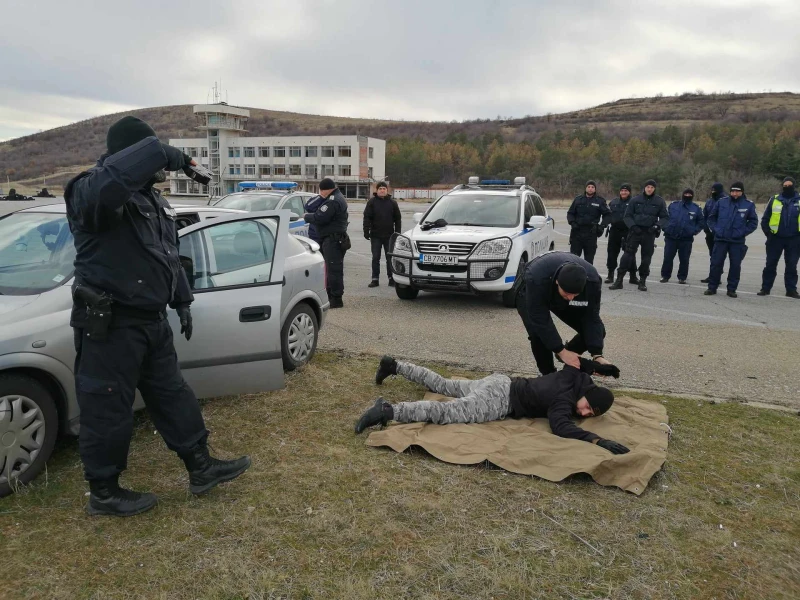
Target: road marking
691,314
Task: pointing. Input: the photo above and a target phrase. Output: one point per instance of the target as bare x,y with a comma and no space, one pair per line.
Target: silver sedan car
260,302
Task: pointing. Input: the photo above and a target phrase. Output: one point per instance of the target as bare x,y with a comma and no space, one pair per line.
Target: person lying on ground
559,397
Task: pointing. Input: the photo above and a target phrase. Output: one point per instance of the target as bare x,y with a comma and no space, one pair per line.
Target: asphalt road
671,339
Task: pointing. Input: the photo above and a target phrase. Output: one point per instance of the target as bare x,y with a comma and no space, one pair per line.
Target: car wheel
406,292
510,296
28,430
299,337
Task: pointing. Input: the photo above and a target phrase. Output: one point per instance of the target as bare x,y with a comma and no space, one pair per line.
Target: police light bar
267,185
519,181
495,182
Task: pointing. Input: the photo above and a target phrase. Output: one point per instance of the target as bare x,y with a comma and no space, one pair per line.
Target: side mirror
537,222
418,217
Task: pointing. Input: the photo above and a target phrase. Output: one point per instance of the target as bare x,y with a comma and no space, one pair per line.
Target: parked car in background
260,302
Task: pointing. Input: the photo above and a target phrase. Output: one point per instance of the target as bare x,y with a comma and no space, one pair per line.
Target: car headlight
496,248
402,244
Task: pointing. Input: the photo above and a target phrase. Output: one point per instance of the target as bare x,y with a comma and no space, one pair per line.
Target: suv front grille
456,248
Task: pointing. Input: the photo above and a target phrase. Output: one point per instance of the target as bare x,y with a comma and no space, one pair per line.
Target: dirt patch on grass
320,515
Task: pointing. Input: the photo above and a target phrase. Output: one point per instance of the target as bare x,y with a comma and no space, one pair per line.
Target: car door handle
255,313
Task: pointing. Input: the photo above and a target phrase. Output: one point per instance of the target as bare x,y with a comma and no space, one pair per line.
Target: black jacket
331,216
644,212
382,217
126,240
541,296
618,207
553,397
588,212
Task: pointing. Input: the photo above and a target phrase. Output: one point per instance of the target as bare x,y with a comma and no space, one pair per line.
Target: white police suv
476,238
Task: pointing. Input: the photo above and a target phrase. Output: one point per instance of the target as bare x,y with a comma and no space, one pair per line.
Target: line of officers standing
631,223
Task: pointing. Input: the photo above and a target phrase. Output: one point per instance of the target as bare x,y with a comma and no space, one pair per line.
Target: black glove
613,447
599,230
608,230
606,370
176,159
656,230
366,234
185,315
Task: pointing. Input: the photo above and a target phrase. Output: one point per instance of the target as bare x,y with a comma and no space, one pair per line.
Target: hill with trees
687,140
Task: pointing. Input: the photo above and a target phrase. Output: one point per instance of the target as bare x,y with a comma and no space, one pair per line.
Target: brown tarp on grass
528,447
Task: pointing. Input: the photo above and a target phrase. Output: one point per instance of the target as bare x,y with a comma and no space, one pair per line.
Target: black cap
789,179
590,182
737,185
127,132
383,184
688,192
717,187
626,186
327,184
572,278
650,182
600,399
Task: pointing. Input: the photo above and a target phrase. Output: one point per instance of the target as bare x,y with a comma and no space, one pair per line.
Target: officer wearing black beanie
645,217
617,232
717,192
587,216
127,271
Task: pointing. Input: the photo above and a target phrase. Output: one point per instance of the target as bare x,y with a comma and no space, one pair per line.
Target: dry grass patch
320,515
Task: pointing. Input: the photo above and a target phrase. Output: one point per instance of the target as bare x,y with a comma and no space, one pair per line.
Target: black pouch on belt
98,312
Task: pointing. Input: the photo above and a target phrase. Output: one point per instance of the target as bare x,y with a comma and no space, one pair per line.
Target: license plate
438,259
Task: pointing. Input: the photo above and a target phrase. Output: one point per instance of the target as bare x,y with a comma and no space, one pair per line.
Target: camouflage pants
476,401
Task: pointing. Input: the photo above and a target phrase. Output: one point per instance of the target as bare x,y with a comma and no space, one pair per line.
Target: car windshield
476,209
250,201
37,252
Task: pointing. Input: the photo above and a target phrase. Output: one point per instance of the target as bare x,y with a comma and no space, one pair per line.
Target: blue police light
267,185
495,182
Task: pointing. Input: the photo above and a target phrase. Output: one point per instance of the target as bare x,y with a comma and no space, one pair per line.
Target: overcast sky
66,60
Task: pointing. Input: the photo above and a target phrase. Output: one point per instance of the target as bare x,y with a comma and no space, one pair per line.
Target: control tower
222,124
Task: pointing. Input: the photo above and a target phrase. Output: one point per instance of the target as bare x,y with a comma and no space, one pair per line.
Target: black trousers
790,248
583,240
544,357
378,244
616,243
683,248
635,239
107,375
334,261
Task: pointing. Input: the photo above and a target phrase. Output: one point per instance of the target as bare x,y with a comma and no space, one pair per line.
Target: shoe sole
99,512
197,490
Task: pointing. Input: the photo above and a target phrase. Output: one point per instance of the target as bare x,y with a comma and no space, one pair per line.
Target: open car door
235,269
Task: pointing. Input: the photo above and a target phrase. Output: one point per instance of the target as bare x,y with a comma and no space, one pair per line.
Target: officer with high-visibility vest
781,225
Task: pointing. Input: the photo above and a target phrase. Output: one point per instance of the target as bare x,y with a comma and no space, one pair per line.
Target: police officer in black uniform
330,221
617,232
127,270
570,288
587,216
645,217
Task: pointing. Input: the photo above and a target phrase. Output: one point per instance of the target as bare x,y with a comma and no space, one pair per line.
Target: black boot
391,282
792,294
617,285
336,302
379,413
643,284
706,280
610,278
206,472
634,279
387,367
107,498
665,280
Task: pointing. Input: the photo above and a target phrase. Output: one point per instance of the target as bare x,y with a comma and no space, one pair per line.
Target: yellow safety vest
775,218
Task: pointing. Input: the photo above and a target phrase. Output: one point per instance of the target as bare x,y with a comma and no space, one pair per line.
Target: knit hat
687,192
737,185
600,399
382,184
327,184
590,182
572,278
126,132
626,186
790,179
717,187
650,182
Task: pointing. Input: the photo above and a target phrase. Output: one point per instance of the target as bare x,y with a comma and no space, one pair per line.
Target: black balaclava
788,190
688,195
600,399
646,183
716,190
588,183
572,278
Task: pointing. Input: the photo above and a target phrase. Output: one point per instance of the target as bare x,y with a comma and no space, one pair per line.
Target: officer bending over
587,216
781,225
558,397
330,223
568,287
127,270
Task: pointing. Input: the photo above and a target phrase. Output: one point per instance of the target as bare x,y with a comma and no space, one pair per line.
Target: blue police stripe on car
511,278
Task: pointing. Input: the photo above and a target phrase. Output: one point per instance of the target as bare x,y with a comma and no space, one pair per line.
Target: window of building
294,169
327,152
344,169
279,169
204,152
345,152
294,151
371,152
263,151
279,151
311,151
249,169
265,170
234,170
369,172
249,152
234,152
311,171
327,170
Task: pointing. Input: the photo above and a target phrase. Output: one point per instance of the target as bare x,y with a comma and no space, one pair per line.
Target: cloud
434,59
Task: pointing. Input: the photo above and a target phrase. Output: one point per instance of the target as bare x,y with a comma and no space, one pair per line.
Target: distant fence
421,193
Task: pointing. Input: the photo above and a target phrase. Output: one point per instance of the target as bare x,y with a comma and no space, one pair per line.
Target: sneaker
709,292
108,498
379,413
765,293
387,367
391,283
373,283
793,294
682,281
732,294
665,280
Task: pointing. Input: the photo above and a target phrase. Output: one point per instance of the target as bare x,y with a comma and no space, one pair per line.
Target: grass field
320,515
